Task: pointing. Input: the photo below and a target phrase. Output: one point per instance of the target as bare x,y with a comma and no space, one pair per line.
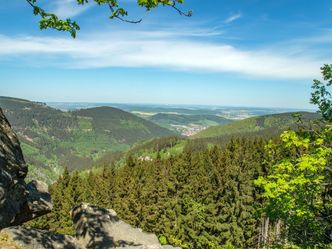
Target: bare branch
129,21
182,13
31,4
122,19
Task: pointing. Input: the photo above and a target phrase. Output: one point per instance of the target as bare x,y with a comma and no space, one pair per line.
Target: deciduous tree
298,188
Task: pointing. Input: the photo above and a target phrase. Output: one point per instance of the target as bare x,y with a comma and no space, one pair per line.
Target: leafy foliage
321,95
298,188
297,184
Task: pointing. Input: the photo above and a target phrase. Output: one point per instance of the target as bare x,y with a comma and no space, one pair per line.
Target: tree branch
328,169
182,13
31,4
120,18
50,20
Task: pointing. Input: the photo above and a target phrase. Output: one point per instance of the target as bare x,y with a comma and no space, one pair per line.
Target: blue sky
235,53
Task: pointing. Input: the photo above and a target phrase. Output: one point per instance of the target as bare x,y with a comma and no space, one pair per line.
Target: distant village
189,130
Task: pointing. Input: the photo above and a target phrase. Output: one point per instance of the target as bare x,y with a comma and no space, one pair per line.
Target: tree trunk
266,231
278,231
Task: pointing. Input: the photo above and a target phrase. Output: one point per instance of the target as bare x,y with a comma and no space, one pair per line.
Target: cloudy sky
236,53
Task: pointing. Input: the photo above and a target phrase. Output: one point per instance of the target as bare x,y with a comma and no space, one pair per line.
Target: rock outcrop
96,228
19,202
26,238
101,228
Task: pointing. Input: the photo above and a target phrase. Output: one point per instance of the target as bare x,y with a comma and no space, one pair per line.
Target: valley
184,120
157,169
65,135
52,139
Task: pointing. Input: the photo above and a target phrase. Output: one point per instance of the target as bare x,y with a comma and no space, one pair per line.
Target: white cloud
159,50
233,18
68,8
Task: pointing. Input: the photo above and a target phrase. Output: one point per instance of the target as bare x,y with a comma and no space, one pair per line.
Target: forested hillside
194,193
274,122
52,139
121,125
203,193
200,199
264,127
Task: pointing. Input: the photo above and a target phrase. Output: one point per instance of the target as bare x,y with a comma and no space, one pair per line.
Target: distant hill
265,127
272,123
52,139
122,126
187,124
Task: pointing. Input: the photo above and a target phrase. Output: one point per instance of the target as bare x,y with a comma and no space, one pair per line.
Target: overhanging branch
50,20
121,18
182,13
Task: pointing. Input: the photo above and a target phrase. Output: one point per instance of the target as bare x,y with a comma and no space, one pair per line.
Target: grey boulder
101,228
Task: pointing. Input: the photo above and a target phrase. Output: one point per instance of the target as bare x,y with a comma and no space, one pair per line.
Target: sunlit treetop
322,93
50,20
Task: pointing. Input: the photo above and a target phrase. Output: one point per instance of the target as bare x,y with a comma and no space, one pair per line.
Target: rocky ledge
101,228
96,228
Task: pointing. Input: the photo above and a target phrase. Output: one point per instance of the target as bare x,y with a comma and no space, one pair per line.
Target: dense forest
197,200
202,198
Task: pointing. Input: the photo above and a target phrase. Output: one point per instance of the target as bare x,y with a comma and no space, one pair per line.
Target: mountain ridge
280,121
53,139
